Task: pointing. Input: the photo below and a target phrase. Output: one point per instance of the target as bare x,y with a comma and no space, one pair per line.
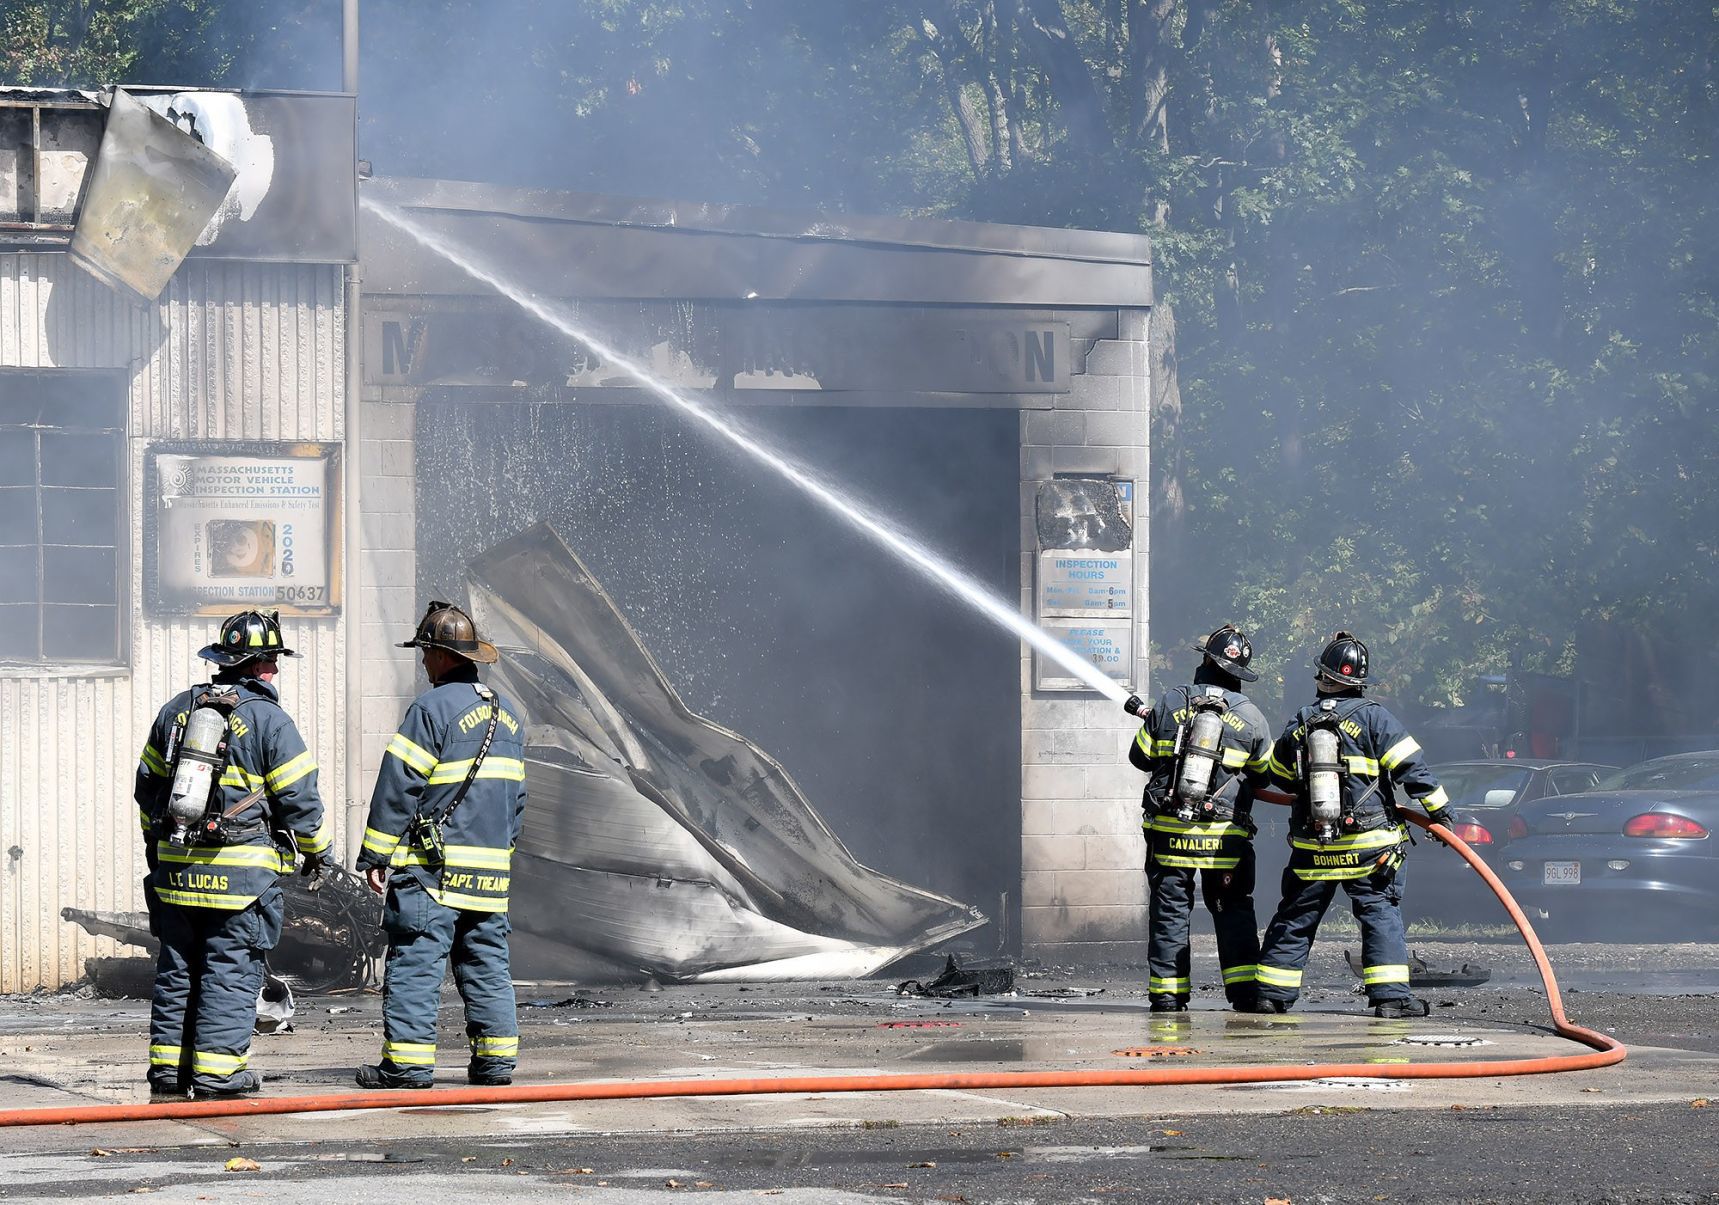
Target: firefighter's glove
1443,818
312,866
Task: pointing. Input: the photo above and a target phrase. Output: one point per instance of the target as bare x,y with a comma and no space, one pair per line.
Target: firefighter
443,822
214,856
1205,746
1338,758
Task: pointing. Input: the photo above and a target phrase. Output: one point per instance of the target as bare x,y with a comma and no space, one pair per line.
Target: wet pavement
64,1049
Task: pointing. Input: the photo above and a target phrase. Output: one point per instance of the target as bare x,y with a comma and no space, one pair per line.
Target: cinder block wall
388,605
1083,890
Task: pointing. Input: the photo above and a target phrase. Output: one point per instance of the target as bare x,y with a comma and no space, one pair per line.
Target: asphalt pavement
1641,1130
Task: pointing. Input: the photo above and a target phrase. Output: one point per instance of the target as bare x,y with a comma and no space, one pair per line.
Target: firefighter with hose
1205,747
1339,757
444,819
226,793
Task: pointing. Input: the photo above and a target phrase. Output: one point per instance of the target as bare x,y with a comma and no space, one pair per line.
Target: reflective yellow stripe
1277,976
509,768
143,819
500,1047
318,842
479,857
1259,763
1376,838
1333,875
471,903
1163,748
1197,828
1160,984
199,899
1435,801
206,1063
265,857
1196,861
238,776
1387,973
1362,765
1235,759
165,1056
1245,973
410,1054
1144,742
154,761
414,755
379,842
1278,769
1392,757
282,777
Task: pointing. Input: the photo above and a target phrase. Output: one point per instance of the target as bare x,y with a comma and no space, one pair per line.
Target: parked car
1633,856
1485,797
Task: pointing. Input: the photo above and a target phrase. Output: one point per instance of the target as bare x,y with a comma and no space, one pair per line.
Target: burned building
317,412
173,428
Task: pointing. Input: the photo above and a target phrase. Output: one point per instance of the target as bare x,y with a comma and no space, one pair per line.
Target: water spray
905,547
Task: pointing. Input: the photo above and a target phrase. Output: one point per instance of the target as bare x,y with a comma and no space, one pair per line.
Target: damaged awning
654,838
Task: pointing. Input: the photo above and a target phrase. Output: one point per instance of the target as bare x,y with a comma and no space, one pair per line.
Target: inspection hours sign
248,528
1084,587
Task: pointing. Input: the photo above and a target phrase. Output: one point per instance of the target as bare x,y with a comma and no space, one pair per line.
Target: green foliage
234,43
1443,271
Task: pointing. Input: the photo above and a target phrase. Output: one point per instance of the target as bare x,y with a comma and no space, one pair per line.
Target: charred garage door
894,708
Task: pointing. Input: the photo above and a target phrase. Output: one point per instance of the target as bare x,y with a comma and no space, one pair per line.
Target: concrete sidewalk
61,1050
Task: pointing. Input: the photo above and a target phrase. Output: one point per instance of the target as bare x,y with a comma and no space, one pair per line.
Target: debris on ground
332,938
568,1002
957,981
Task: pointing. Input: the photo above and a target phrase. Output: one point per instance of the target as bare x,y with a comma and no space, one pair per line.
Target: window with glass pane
62,573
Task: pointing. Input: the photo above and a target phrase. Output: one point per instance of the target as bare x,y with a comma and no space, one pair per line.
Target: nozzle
1135,705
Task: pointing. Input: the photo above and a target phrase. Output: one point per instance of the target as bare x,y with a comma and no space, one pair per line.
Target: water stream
904,546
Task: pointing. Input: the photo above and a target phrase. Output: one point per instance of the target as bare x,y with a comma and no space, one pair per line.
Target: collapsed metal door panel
653,836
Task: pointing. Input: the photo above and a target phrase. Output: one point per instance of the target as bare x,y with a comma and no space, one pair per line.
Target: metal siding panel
210,358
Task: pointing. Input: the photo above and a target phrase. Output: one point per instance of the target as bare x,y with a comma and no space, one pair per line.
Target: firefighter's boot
1406,1006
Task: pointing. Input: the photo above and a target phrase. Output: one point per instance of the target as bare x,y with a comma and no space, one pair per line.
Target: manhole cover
1442,1039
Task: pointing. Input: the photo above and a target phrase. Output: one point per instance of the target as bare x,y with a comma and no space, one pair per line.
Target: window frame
116,384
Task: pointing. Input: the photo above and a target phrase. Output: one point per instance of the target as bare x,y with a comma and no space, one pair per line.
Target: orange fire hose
1605,1051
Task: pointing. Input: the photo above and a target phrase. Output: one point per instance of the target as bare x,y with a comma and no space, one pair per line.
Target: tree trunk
1169,498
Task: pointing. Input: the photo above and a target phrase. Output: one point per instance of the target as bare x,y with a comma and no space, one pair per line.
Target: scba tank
199,762
1324,791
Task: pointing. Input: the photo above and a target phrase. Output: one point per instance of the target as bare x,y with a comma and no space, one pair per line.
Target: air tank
1201,754
194,778
1324,791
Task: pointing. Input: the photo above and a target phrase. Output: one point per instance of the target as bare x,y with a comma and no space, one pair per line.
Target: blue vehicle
1634,856
1486,796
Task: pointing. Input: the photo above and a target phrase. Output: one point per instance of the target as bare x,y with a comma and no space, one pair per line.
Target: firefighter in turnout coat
443,822
211,891
1206,827
1345,830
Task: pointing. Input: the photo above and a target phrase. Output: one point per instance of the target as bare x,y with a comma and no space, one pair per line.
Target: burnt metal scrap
958,982
655,839
331,938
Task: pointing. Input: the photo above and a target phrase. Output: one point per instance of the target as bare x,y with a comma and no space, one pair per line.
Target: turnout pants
1376,902
1229,898
207,979
423,938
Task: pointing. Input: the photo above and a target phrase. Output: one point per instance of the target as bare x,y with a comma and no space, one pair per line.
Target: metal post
349,47
354,527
